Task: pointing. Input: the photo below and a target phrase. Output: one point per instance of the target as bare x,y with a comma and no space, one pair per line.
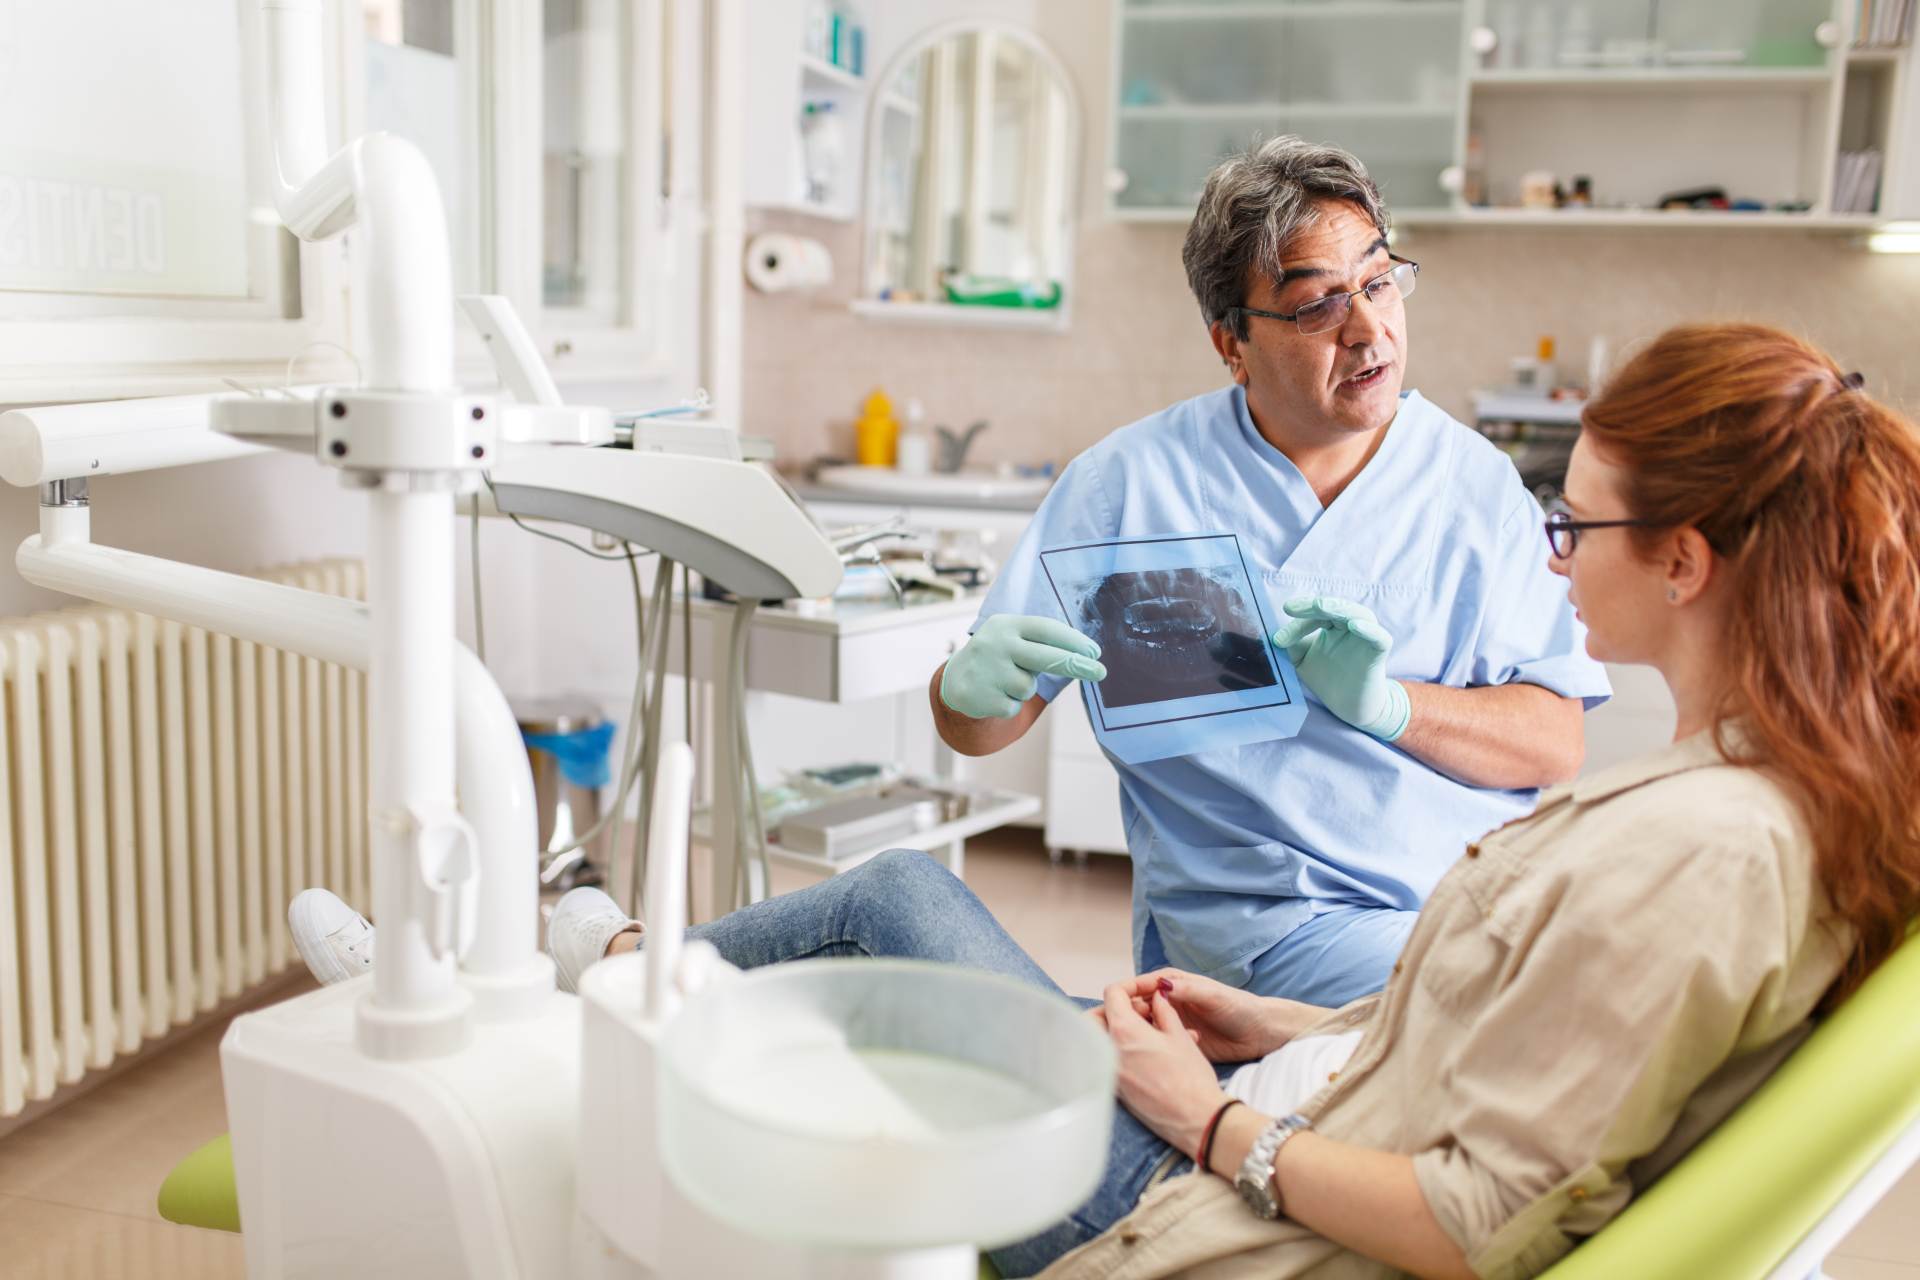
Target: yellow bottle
876,435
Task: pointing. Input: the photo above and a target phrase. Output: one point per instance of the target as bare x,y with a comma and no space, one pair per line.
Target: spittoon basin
884,1104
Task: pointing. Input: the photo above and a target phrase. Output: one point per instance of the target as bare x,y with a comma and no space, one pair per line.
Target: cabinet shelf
997,809
1658,218
1290,10
1640,79
1287,110
826,73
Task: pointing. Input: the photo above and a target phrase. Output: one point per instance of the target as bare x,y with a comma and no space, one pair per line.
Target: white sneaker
584,921
335,940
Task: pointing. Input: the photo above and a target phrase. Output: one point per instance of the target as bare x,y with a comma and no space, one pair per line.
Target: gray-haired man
1449,671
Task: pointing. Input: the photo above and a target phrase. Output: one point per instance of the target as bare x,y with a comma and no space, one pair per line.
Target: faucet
954,445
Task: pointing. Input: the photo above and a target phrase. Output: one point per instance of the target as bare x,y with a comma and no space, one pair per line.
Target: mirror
970,181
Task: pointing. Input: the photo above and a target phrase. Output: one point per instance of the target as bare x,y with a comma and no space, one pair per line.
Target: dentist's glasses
1331,311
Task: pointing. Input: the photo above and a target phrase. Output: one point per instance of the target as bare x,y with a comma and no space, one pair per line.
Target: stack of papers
1882,22
1856,181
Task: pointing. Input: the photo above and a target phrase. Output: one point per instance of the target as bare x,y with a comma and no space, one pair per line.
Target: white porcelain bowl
884,1104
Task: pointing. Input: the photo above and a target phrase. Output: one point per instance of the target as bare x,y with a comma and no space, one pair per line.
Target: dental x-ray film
1183,633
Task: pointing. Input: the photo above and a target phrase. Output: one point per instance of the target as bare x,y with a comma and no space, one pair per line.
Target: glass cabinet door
583,161
1751,33
1378,78
1596,35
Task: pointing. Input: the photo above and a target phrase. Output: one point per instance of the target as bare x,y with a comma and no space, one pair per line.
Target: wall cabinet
1459,108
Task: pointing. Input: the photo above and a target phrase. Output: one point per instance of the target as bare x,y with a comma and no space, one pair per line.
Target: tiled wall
1136,342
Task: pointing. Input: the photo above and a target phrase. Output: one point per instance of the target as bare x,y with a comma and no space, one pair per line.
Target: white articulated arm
383,186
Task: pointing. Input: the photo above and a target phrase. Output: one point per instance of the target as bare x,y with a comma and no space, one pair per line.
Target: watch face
1256,1195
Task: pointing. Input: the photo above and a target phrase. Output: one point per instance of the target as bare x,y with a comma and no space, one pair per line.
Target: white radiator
163,793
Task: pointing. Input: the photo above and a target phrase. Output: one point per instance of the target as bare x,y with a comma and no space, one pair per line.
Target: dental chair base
459,1166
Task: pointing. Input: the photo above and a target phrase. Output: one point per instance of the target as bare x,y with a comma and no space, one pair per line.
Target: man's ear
1229,348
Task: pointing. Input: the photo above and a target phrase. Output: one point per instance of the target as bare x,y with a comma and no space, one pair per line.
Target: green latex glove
993,676
1340,650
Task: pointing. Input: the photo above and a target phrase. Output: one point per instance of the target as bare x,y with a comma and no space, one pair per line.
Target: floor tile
1891,1233
58,1242
1842,1267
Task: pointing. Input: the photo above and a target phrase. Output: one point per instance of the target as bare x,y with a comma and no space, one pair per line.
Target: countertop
811,492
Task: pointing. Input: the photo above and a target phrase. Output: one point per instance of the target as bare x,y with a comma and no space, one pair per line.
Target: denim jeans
905,904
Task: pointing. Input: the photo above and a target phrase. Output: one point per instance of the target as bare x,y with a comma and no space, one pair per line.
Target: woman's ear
1690,566
1228,347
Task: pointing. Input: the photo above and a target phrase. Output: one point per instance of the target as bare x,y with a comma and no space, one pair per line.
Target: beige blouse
1588,992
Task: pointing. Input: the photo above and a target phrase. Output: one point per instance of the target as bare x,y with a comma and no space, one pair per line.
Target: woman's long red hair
1809,491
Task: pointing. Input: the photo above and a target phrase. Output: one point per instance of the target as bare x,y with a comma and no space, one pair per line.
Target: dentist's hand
993,676
1340,651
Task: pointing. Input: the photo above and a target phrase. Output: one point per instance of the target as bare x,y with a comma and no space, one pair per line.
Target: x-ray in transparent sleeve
1184,635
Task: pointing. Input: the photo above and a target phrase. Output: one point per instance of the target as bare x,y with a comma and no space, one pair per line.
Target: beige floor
77,1187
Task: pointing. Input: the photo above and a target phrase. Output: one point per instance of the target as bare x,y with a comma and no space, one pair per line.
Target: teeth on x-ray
1171,633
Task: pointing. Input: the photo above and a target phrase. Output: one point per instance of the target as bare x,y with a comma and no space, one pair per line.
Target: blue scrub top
1233,849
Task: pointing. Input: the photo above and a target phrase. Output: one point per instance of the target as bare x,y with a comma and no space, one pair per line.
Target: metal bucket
566,805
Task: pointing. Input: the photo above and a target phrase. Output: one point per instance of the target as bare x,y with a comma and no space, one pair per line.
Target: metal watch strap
1254,1182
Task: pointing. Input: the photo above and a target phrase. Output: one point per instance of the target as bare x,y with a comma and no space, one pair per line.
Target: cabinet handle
1827,35
1116,181
1484,40
1453,179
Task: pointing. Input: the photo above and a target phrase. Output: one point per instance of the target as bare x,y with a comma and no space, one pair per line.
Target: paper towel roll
777,262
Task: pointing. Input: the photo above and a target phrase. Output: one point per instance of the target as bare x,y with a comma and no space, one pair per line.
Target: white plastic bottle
823,146
915,455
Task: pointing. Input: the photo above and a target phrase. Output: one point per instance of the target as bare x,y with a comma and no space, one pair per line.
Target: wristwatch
1254,1182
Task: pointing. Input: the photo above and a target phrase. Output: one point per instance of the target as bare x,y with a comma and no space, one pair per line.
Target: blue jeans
905,904
1335,957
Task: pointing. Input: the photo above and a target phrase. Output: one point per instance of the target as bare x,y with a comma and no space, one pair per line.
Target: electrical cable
564,541
746,786
614,817
473,559
656,667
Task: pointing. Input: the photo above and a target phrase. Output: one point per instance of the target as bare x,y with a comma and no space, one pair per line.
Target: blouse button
1577,1195
1398,966
1129,1236
1473,850
1332,1076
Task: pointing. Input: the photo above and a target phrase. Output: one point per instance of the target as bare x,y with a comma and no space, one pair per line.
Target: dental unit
455,1114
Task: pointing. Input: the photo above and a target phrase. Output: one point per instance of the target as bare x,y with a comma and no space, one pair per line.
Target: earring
1673,596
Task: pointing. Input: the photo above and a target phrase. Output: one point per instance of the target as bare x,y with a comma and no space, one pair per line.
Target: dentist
1448,671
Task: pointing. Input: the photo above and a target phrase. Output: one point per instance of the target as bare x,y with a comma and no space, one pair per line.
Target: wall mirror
971,157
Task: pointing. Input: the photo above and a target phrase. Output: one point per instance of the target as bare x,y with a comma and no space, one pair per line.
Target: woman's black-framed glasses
1563,531
1331,311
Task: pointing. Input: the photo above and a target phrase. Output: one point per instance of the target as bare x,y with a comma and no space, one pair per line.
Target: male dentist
1448,674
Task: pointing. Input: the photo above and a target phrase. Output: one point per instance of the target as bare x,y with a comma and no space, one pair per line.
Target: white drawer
1083,806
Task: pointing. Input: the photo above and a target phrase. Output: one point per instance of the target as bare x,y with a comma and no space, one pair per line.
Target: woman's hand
1164,1079
1229,1025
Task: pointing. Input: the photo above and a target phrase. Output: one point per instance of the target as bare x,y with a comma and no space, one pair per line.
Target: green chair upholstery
1732,1210
1741,1200
200,1191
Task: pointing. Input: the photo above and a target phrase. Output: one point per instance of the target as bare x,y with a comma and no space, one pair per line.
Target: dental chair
1768,1194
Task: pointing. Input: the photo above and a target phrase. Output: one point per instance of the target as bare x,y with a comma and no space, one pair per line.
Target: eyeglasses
1563,531
1331,311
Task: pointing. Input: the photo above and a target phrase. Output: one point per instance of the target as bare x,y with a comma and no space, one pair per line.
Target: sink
972,484
884,1105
